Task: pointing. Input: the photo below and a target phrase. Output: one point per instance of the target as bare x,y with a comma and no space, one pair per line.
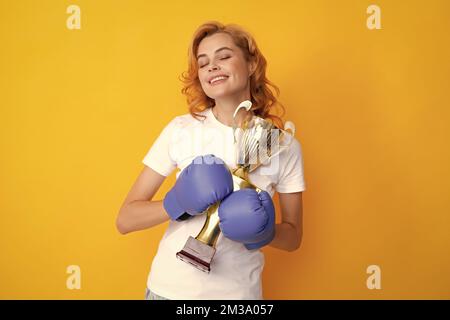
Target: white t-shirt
235,271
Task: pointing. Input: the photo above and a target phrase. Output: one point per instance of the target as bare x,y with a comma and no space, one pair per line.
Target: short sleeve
159,157
291,177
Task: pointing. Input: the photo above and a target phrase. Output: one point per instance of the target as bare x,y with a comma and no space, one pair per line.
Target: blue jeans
150,295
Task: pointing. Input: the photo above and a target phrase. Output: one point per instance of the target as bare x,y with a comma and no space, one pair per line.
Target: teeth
217,78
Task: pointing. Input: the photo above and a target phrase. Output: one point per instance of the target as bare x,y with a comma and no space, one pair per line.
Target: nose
212,67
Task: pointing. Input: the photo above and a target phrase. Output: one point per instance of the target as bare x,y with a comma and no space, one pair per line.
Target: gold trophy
257,141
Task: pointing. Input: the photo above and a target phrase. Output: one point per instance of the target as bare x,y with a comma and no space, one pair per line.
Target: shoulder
294,149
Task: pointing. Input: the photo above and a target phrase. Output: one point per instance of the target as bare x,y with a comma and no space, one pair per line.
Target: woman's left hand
248,217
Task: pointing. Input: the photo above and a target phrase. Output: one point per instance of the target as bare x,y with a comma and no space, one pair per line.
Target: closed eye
224,58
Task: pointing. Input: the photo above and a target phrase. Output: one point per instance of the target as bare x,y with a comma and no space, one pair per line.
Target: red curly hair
262,98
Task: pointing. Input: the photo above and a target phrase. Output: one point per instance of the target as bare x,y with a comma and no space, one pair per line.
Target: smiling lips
218,79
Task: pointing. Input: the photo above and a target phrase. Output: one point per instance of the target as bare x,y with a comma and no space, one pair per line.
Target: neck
224,110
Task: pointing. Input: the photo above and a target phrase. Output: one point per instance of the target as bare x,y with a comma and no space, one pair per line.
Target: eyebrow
220,49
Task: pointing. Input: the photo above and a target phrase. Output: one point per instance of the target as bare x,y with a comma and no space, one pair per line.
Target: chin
219,95
222,93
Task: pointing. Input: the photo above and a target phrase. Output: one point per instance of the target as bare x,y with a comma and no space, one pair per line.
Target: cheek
239,70
202,76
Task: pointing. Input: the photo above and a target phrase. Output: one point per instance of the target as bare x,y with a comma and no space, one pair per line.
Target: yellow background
80,109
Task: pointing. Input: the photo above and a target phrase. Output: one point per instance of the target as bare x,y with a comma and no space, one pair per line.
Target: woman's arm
288,233
138,212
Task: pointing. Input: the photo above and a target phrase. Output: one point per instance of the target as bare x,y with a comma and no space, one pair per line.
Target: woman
225,68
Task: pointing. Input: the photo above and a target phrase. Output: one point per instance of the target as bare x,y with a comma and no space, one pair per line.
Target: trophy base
197,254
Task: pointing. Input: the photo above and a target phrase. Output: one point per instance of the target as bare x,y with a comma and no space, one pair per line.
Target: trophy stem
210,231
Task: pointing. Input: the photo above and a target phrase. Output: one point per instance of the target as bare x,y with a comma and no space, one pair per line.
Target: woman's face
218,56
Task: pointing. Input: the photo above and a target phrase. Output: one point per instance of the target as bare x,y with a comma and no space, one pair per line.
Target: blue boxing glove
202,183
248,217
